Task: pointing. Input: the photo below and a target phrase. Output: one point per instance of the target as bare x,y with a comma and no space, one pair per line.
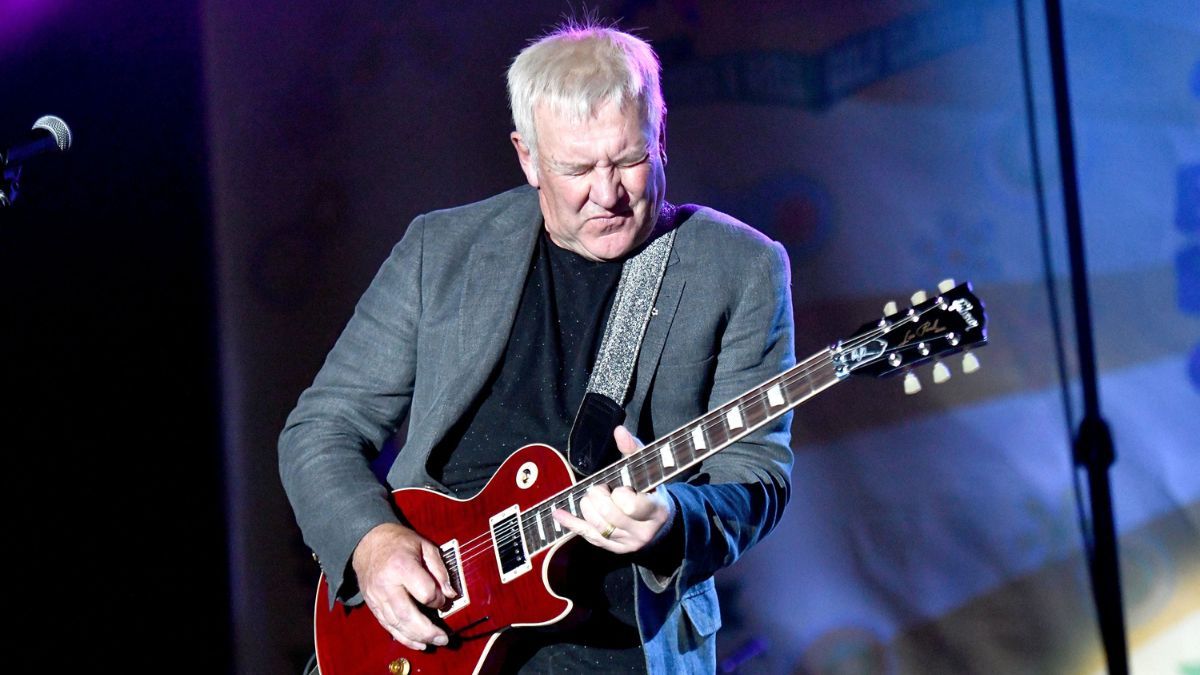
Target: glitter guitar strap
591,446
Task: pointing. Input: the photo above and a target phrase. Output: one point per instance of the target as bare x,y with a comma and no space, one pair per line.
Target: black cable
1056,322
1092,451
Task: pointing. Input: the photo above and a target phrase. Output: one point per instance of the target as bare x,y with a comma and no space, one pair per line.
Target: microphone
49,134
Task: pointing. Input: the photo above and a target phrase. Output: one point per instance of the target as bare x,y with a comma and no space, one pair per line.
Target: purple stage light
21,18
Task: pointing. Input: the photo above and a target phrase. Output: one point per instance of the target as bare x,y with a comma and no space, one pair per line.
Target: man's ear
525,158
662,142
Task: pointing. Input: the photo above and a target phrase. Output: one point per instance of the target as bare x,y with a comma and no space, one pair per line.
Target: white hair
578,69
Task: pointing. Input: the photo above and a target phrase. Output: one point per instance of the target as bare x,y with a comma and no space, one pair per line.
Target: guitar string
637,462
641,462
507,533
645,459
611,472
510,531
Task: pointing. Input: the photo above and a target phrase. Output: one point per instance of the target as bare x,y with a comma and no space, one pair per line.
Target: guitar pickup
508,543
453,562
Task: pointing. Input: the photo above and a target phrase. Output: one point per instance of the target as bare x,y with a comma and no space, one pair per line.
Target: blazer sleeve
738,495
355,403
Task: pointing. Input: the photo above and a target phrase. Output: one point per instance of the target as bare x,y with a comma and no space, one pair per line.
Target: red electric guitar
497,545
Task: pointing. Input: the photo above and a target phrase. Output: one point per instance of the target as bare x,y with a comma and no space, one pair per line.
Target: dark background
118,558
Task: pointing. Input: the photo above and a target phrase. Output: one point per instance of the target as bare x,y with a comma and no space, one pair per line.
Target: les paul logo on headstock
920,332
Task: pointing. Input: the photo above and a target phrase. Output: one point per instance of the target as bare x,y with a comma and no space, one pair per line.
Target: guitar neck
688,445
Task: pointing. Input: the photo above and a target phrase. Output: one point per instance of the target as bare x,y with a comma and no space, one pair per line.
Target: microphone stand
1093,450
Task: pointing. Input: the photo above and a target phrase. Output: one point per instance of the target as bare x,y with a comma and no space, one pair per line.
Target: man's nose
607,189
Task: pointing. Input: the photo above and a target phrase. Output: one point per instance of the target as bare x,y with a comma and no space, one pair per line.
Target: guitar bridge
509,544
453,563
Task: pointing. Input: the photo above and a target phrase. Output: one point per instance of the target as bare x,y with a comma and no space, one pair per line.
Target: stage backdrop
886,144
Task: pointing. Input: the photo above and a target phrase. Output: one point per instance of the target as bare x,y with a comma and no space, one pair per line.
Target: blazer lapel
496,267
655,337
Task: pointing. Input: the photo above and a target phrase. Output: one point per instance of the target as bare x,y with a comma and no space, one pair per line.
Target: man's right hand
397,569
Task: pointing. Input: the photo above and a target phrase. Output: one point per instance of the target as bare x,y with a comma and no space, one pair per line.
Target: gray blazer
434,323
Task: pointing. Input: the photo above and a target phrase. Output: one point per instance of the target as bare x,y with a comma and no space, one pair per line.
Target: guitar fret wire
640,461
475,546
753,398
803,370
643,459
796,373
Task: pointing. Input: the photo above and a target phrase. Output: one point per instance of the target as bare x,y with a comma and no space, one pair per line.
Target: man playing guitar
482,329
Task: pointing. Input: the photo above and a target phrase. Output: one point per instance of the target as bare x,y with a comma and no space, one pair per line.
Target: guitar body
350,641
499,544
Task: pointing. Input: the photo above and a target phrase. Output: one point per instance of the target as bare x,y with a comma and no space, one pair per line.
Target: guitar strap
591,445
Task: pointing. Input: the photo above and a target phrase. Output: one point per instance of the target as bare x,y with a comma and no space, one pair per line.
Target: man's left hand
621,520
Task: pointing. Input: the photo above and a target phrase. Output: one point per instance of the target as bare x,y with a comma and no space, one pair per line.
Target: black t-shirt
532,397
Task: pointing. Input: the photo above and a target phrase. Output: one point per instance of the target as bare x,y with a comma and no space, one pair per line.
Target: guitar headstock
934,328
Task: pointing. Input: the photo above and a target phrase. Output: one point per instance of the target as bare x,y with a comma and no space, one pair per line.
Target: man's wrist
664,553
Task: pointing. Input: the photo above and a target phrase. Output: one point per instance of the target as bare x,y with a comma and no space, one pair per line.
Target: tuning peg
946,285
890,308
970,363
919,297
940,373
911,384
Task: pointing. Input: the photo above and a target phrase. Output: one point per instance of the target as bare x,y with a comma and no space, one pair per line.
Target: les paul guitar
497,546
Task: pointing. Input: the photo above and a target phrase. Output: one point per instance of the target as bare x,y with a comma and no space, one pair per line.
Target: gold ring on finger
608,531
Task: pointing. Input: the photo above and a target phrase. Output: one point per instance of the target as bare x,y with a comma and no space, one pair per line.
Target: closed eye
627,164
570,170
584,169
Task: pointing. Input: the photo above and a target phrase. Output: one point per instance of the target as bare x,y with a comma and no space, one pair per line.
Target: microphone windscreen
57,128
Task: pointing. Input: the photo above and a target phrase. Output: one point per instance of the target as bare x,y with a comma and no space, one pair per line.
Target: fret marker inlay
668,460
707,434
734,418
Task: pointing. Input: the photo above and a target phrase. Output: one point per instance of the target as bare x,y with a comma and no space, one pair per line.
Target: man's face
599,185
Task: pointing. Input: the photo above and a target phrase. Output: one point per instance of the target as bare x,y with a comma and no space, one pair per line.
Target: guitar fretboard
687,446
